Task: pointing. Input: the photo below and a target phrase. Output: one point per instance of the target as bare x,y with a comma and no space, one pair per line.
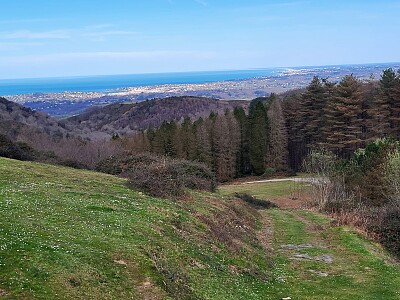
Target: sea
111,83
105,83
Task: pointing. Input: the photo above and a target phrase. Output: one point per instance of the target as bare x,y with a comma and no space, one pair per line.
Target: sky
49,38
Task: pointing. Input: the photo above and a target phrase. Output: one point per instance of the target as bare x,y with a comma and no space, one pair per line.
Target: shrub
195,176
392,176
389,229
384,224
269,172
160,176
363,191
110,165
15,150
157,179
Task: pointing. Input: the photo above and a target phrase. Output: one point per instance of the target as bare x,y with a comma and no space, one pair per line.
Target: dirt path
294,179
314,259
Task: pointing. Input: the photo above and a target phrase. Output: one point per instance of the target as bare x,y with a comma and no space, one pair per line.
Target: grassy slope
70,234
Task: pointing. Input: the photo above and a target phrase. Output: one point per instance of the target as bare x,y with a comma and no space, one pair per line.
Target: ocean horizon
109,83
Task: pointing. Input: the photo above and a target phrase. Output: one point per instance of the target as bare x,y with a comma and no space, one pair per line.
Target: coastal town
73,102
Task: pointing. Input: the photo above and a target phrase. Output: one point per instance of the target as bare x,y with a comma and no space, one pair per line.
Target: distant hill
127,118
105,121
17,120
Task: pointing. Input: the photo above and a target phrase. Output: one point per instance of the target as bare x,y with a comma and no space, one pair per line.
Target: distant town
70,103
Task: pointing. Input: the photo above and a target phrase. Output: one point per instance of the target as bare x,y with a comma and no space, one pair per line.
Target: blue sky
46,38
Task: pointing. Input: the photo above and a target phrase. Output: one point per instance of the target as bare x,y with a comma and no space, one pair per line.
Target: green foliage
389,228
269,172
258,136
10,149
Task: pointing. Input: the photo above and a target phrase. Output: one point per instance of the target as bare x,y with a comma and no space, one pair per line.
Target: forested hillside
123,119
234,138
278,131
17,120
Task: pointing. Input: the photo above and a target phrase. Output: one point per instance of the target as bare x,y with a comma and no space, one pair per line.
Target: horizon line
195,71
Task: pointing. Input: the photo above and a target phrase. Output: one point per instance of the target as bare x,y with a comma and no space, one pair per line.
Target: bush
160,176
392,176
15,150
110,165
363,191
269,172
195,176
119,165
157,179
253,201
389,229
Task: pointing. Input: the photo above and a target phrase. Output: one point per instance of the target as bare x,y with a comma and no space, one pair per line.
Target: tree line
277,132
342,117
233,144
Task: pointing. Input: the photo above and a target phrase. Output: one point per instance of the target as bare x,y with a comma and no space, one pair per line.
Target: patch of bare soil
3,293
265,234
149,291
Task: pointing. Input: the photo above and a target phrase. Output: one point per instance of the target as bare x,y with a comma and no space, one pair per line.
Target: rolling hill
123,118
16,120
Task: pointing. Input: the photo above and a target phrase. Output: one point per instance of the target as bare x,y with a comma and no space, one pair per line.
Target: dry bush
160,176
71,151
158,179
328,187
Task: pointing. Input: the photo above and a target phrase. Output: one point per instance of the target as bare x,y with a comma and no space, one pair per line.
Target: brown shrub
160,176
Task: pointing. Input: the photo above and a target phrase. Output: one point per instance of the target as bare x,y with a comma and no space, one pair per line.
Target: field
72,234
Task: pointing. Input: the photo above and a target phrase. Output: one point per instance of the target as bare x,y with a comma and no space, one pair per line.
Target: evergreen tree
296,146
243,160
389,102
186,144
277,152
203,141
312,111
345,118
258,136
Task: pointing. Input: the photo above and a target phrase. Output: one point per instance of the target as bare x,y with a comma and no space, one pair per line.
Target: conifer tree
258,136
226,146
186,143
203,141
277,152
345,118
243,160
389,100
312,111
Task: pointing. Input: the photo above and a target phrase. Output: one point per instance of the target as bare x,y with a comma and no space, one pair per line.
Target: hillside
70,234
127,118
16,120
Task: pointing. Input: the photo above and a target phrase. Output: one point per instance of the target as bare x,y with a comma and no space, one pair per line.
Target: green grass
361,269
72,234
268,190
